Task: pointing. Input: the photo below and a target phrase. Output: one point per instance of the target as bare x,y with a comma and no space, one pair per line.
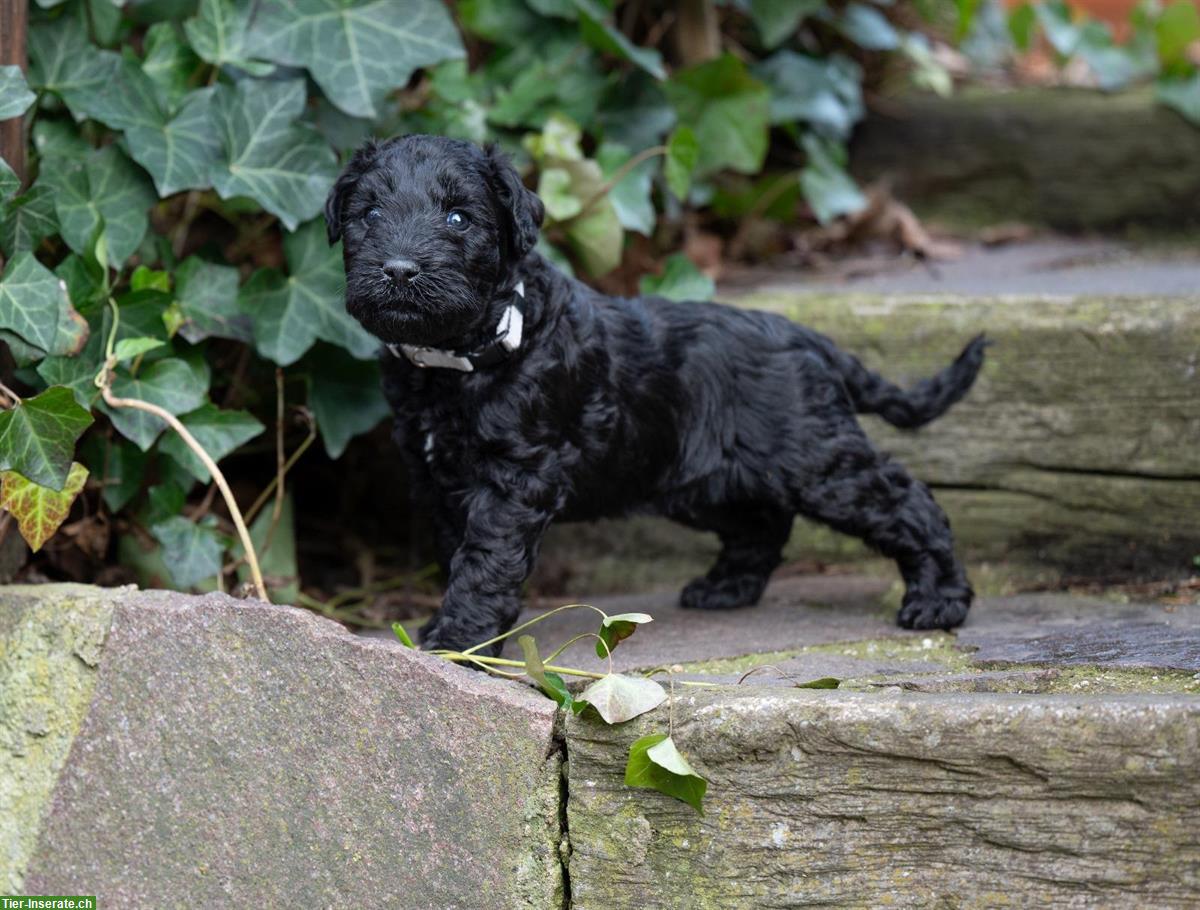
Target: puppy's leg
859,491
500,540
751,548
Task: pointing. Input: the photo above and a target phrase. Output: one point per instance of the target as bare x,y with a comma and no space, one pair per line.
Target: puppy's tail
927,400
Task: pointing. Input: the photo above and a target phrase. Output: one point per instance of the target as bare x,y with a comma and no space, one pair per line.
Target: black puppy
522,396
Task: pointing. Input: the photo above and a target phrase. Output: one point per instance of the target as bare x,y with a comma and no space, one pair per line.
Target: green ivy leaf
1021,24
618,627
15,96
1175,30
824,92
62,60
178,150
169,63
27,220
868,28
39,511
656,764
631,196
145,278
405,639
218,432
208,299
618,698
777,20
604,37
218,34
345,396
118,466
9,181
284,166
683,151
191,552
357,52
830,191
1182,95
290,313
77,372
277,561
129,348
680,280
37,436
105,192
34,306
554,189
728,109
825,682
169,383
550,683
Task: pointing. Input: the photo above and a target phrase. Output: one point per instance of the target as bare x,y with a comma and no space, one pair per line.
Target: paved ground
1051,265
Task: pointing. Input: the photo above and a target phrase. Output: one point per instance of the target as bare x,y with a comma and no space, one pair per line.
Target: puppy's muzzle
401,271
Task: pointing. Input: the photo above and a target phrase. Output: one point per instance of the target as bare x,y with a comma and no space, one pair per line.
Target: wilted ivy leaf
777,20
27,219
208,299
62,60
39,511
825,92
191,552
178,150
105,191
359,51
218,33
615,629
604,37
868,28
682,154
656,764
218,432
680,280
284,166
619,698
290,313
727,109
118,466
34,306
170,384
37,436
345,396
830,191
400,632
15,96
1182,95
631,195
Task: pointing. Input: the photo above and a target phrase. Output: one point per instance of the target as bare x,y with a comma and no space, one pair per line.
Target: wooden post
13,22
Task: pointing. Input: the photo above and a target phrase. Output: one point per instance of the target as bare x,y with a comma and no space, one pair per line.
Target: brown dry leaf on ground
884,218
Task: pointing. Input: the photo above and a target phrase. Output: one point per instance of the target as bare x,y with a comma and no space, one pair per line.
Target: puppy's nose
401,270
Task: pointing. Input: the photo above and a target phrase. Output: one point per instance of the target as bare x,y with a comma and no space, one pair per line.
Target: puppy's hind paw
936,611
722,594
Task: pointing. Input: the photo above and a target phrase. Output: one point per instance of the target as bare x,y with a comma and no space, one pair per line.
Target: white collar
507,340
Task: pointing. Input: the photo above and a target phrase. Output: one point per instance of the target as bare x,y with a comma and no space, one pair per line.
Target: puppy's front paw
722,594
936,611
440,635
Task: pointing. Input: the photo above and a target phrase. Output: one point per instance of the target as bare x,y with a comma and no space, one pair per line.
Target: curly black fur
723,419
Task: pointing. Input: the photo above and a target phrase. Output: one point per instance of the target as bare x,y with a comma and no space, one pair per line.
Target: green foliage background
181,152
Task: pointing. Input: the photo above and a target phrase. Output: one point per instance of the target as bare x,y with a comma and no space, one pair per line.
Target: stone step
164,750
1077,451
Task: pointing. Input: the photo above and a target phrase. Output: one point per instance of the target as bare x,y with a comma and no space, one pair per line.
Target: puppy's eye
372,215
458,219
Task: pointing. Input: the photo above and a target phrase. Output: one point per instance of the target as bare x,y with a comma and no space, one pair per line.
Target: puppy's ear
335,202
524,209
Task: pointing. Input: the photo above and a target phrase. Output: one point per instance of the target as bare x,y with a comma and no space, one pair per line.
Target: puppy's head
430,227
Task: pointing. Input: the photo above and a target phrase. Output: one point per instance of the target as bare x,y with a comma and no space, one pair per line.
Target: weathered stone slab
895,799
240,753
1066,158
